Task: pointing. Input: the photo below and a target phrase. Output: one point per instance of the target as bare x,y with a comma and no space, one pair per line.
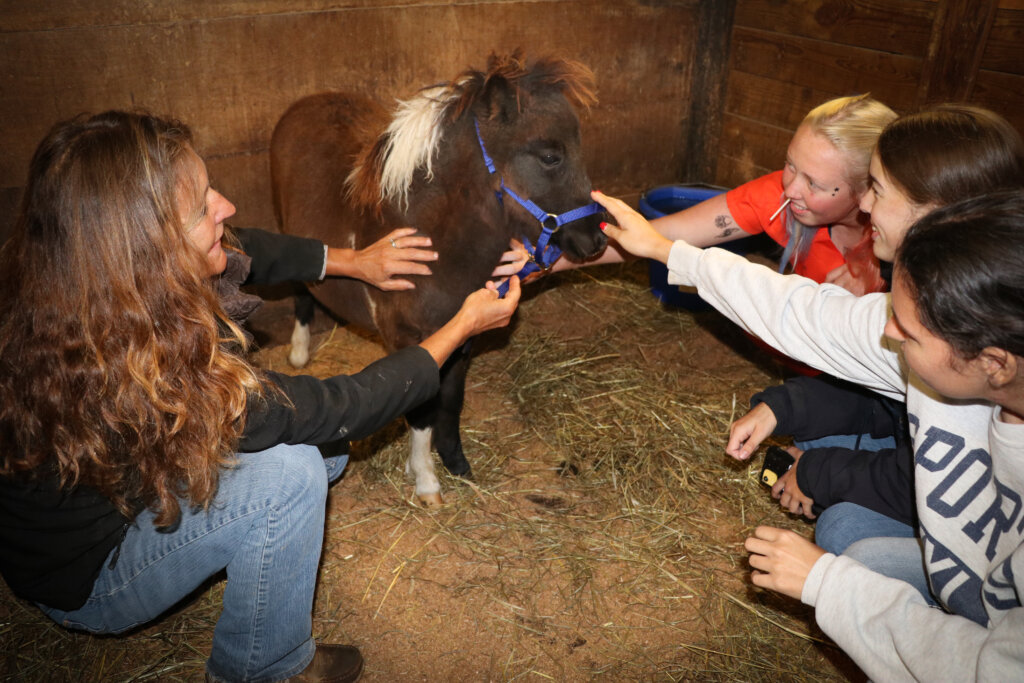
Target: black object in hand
776,463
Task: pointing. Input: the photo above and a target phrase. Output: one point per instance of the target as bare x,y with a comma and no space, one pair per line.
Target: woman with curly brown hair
140,452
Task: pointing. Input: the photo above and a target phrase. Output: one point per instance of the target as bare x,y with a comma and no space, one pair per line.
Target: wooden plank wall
690,90
230,68
787,57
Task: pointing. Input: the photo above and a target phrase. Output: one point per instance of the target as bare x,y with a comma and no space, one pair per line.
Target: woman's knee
298,471
282,477
831,531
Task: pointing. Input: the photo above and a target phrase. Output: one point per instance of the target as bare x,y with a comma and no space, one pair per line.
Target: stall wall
230,68
690,90
787,57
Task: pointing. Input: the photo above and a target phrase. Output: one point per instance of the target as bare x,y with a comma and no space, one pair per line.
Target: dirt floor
600,539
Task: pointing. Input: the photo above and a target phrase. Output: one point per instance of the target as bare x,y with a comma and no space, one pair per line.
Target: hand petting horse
490,156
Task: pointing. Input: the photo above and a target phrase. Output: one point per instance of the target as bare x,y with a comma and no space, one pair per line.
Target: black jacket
53,543
813,407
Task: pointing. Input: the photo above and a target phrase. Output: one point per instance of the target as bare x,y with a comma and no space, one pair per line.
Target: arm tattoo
723,222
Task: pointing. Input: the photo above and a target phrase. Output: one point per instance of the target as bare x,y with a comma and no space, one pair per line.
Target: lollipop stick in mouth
779,210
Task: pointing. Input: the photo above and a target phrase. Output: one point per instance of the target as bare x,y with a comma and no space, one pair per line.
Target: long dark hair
964,266
950,152
114,371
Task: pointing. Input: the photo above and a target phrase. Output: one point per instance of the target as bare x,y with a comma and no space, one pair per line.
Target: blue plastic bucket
664,200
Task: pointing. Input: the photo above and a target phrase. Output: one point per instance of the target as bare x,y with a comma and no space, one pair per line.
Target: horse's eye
550,159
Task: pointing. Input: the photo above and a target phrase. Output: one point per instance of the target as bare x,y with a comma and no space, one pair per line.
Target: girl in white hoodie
951,345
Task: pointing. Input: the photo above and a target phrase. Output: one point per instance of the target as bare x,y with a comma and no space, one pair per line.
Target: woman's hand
858,285
512,261
747,433
400,252
781,560
788,492
481,311
842,277
634,233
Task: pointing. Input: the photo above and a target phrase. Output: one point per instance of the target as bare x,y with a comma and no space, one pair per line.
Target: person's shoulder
768,187
752,203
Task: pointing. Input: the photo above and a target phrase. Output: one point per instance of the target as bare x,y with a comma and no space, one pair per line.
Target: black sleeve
280,258
314,411
882,481
812,407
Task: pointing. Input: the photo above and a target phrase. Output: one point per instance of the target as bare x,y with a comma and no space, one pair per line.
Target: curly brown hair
118,368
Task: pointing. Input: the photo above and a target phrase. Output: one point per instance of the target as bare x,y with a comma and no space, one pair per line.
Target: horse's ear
501,99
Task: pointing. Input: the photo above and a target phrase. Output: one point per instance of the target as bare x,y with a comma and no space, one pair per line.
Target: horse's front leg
447,439
305,307
437,420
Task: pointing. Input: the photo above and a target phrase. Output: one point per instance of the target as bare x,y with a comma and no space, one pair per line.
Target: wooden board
1004,50
902,26
772,101
230,69
825,66
754,144
1003,93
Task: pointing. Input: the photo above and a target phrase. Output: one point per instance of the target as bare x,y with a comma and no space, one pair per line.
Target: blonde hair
852,124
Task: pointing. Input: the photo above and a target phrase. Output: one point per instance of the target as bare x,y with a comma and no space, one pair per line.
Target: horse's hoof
462,469
432,501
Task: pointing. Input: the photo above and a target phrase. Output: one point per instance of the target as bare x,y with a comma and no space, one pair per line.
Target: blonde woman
825,235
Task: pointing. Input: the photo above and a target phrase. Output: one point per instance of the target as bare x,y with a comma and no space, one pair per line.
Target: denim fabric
265,526
843,524
335,466
880,543
859,442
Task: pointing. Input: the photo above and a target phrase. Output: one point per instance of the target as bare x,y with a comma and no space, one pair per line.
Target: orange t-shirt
752,204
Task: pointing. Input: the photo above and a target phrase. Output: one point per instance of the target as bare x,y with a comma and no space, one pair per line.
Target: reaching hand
781,559
747,433
483,310
400,252
633,233
512,261
788,492
857,286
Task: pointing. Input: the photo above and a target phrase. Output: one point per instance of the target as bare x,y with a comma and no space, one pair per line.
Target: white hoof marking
299,354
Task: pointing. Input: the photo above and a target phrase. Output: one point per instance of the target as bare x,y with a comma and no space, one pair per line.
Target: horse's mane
384,171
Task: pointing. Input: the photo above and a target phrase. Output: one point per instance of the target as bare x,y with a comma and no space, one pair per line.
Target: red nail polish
604,226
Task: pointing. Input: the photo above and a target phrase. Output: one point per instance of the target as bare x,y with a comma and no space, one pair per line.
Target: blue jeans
880,543
265,526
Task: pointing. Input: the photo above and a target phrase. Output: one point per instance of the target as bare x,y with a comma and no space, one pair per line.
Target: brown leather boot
332,664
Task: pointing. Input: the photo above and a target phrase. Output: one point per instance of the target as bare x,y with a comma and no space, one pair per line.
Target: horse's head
526,115
529,128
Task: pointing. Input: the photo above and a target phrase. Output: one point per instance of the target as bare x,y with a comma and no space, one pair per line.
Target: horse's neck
461,192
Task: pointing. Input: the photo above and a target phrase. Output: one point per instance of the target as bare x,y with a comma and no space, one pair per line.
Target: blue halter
544,254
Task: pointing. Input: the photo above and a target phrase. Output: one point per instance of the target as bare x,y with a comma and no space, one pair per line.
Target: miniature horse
446,162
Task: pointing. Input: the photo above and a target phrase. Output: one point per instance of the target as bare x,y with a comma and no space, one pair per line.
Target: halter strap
544,254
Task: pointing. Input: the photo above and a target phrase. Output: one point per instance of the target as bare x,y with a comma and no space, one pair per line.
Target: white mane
413,138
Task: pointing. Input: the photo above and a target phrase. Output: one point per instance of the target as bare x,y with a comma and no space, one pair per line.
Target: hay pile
600,539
